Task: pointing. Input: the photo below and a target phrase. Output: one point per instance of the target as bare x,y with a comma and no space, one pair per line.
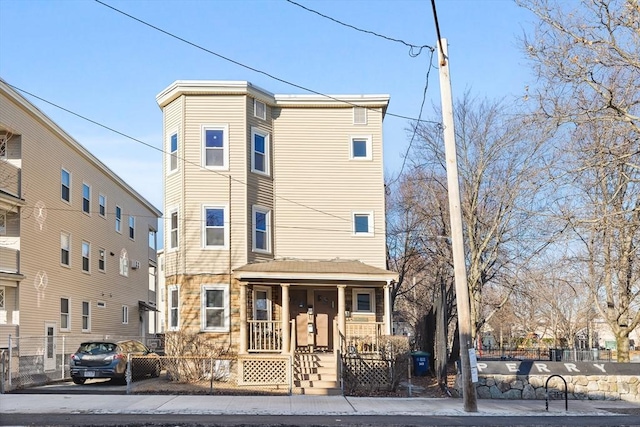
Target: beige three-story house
77,243
275,218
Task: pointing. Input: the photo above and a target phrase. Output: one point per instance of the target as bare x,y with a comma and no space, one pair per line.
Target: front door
49,346
326,310
298,310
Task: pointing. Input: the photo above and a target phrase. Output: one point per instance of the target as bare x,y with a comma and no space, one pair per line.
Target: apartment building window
363,223
132,227
259,109
363,300
118,219
86,251
2,297
86,198
215,147
261,303
125,315
359,116
173,152
4,141
261,229
3,223
101,259
86,316
361,148
65,184
215,308
124,263
102,202
173,230
259,151
65,315
215,229
174,308
65,248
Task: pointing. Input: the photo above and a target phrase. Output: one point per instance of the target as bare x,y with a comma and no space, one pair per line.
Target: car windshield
96,347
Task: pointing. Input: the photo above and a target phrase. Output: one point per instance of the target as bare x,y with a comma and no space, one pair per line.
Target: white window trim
254,210
225,146
170,290
101,304
369,233
204,227
368,139
255,109
125,314
88,329
3,223
84,184
69,249
104,258
68,328
131,226
88,257
173,210
366,115
354,300
266,289
105,205
117,221
267,143
170,153
203,313
70,185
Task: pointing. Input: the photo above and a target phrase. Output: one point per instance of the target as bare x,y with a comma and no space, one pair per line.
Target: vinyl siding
40,243
172,116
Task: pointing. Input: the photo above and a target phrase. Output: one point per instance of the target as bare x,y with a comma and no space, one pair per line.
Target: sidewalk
298,405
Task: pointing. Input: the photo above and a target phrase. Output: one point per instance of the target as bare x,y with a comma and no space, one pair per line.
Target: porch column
243,318
286,334
387,307
342,320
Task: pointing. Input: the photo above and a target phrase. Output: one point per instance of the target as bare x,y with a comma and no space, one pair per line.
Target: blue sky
105,66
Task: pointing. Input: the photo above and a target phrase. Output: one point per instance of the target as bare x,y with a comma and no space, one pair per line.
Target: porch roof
329,270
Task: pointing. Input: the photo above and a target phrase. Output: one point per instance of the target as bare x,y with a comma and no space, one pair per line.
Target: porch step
315,374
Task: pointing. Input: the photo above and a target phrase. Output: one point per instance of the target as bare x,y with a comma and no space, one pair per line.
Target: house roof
296,269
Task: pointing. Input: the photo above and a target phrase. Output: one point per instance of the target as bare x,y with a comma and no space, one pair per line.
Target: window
118,219
102,202
363,301
259,152
86,316
2,297
215,308
66,186
101,259
101,304
86,199
261,303
3,223
259,109
173,230
65,248
174,308
125,315
361,148
215,146
173,152
215,230
124,263
132,227
4,141
359,116
261,229
86,251
363,223
152,240
65,316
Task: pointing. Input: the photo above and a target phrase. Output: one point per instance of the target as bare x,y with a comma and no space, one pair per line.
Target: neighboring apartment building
77,243
275,218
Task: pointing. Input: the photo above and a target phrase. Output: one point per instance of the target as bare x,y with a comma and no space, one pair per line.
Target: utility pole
457,241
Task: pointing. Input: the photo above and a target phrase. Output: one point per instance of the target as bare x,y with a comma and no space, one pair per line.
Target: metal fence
551,354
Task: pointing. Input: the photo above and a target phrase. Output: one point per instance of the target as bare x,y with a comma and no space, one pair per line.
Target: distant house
77,243
275,218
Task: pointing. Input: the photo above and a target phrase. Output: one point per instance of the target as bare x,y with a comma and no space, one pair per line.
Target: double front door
314,311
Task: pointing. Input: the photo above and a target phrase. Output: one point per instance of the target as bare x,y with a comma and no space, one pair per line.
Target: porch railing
265,335
363,337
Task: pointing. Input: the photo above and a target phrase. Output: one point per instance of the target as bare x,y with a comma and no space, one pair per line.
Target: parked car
108,359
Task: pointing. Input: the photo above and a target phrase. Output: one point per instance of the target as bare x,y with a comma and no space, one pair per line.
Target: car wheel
156,371
78,380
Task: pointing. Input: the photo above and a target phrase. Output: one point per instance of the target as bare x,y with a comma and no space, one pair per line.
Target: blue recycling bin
420,363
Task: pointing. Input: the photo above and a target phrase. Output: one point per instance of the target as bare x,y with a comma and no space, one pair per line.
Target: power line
412,47
233,61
